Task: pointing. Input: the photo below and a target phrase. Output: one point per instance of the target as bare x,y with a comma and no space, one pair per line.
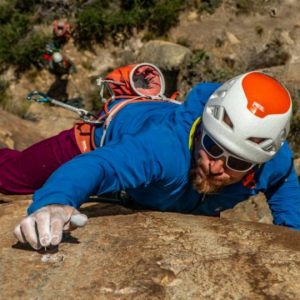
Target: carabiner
45,98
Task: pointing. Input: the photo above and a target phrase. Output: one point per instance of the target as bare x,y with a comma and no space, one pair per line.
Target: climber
62,31
223,144
61,65
49,50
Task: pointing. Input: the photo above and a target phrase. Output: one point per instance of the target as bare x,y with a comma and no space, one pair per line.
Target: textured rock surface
125,254
16,133
51,120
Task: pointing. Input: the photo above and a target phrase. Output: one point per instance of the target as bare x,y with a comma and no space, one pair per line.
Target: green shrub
274,54
104,19
91,25
259,30
202,68
25,6
30,49
253,6
210,5
6,13
10,35
20,45
163,16
244,6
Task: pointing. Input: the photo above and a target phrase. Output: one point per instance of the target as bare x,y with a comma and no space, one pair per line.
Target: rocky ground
128,254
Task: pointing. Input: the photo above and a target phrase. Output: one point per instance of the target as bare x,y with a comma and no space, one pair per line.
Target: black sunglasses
215,150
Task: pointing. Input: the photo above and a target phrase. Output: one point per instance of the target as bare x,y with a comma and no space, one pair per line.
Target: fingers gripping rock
46,225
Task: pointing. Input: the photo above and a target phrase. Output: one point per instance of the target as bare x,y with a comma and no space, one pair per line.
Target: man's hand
45,227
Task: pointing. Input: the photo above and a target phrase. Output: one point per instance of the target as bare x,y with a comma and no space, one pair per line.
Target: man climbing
63,68
222,145
62,31
61,65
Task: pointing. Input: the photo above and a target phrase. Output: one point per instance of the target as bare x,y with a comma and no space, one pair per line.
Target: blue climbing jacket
147,153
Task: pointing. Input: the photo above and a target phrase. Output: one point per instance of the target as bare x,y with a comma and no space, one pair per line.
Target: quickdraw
86,116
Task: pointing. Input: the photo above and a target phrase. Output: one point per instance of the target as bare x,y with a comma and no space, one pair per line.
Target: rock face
126,254
19,134
16,133
51,120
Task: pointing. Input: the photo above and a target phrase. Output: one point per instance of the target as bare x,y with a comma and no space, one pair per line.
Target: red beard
208,183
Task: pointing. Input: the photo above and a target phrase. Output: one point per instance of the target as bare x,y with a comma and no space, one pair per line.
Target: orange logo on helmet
265,95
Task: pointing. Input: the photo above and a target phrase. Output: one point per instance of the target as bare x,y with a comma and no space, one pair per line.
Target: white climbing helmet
57,57
259,108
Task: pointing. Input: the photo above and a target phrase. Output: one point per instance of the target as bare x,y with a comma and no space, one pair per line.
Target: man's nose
216,166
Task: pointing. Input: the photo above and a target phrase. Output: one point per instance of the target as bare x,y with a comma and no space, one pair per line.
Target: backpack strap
112,113
66,63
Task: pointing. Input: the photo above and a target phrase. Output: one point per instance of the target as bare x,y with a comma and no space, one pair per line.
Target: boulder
129,254
165,55
169,57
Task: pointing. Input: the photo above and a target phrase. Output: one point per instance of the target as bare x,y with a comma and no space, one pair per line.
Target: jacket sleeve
130,162
284,201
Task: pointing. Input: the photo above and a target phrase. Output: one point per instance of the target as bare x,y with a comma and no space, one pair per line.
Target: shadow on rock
103,209
21,246
58,90
67,239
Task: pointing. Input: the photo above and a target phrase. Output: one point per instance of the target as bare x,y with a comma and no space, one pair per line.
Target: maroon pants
23,172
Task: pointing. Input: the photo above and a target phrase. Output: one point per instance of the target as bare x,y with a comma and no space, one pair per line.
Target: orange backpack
135,83
138,80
